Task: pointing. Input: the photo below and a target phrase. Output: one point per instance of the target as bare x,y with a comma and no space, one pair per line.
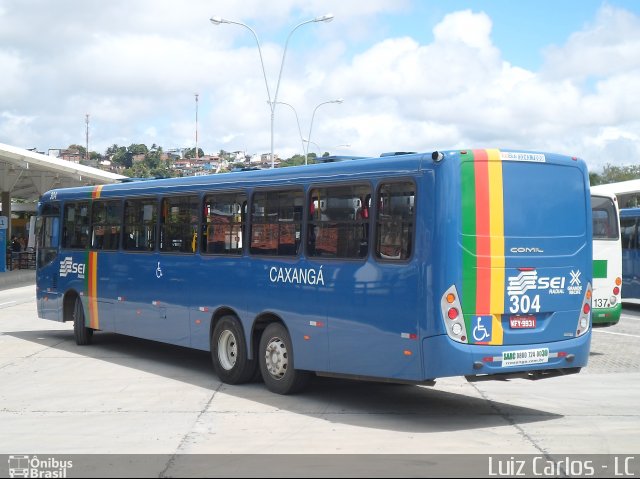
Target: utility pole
86,154
196,126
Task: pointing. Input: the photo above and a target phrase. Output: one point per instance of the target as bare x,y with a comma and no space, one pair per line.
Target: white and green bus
607,258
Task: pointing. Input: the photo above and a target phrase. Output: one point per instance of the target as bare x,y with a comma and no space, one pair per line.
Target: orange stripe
93,290
96,192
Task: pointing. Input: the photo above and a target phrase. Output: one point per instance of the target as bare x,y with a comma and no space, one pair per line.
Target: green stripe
599,268
469,247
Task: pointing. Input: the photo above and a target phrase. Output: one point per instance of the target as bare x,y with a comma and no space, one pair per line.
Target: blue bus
402,268
629,224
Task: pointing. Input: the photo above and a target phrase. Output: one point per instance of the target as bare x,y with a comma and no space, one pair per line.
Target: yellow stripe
97,191
497,332
496,229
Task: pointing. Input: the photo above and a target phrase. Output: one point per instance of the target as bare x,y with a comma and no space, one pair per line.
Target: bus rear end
607,259
519,302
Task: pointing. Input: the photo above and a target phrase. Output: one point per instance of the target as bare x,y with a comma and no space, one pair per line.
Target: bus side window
395,221
76,225
224,223
629,237
339,222
105,224
179,224
140,218
276,222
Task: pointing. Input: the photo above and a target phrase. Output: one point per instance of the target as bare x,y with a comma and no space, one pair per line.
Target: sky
414,75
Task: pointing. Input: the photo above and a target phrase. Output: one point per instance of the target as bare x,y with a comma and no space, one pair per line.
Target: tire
275,355
82,334
229,352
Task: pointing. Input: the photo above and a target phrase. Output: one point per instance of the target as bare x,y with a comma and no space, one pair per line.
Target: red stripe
483,233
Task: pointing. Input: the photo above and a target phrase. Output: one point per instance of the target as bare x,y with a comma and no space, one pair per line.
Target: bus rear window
605,224
543,202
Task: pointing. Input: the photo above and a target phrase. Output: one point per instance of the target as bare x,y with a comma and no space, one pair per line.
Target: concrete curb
19,277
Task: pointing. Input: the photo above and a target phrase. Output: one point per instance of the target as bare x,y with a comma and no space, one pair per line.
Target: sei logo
67,266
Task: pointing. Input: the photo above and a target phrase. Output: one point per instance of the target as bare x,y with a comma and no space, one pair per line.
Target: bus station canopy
26,175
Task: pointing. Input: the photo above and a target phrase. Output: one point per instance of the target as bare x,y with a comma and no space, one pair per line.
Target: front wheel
82,334
229,352
276,362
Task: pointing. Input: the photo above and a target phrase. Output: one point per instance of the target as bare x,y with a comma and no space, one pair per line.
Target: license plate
524,357
522,322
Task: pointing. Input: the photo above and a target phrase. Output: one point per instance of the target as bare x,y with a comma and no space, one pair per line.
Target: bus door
103,259
156,277
47,264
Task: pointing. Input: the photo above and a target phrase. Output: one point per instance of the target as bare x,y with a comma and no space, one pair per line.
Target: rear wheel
82,334
276,361
229,352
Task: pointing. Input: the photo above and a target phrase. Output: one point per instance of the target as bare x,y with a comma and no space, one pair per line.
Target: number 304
524,304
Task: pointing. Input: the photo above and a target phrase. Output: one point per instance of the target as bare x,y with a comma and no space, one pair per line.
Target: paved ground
129,396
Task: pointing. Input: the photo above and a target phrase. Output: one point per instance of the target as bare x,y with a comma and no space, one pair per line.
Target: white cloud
607,47
134,67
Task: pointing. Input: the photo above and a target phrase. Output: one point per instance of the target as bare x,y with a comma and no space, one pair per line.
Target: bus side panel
48,298
630,253
210,288
607,266
150,297
288,288
99,270
373,326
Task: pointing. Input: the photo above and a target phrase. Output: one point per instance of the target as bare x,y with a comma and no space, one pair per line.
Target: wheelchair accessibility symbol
482,329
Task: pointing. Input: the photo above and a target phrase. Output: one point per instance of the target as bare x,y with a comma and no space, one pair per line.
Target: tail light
584,320
452,313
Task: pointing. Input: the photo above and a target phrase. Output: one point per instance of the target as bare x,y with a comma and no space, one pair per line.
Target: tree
81,150
614,174
295,160
191,153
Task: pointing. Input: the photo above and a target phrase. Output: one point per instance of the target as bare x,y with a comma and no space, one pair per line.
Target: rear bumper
444,357
606,315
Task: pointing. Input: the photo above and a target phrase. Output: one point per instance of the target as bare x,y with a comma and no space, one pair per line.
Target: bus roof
629,212
398,165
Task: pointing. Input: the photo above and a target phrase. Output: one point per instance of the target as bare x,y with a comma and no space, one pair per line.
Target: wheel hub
277,358
227,350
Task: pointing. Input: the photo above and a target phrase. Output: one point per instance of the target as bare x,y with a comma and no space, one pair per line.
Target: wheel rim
227,350
276,358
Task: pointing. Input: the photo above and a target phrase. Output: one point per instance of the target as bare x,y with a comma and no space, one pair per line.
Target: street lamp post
272,103
306,154
297,121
